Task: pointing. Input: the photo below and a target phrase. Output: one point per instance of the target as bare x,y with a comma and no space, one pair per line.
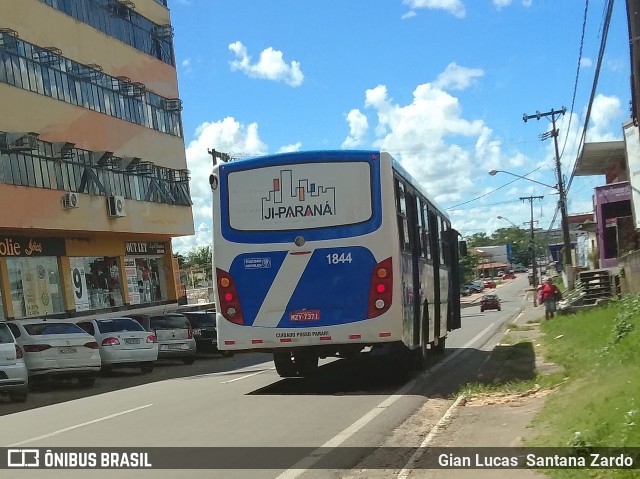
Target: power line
493,191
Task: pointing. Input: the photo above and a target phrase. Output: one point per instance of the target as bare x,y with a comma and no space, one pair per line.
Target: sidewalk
500,420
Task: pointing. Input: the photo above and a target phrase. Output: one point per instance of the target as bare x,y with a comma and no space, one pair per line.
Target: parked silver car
122,342
14,377
175,337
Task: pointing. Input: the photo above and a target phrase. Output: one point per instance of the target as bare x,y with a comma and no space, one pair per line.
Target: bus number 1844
336,258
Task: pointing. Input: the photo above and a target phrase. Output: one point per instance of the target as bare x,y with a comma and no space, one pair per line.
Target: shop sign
145,248
28,246
79,280
132,280
615,192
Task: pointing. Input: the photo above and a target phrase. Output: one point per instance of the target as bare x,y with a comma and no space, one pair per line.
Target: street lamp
567,263
493,173
507,219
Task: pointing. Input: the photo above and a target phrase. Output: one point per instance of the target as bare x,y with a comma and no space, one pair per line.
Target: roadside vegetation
596,381
599,404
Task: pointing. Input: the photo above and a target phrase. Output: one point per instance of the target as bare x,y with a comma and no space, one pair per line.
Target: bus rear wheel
440,346
306,364
284,365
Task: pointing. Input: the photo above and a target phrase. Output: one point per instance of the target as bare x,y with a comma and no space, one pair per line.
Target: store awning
597,158
492,265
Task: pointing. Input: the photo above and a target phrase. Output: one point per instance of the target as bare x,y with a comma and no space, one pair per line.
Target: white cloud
500,4
409,14
358,125
270,66
586,62
454,7
606,116
455,77
289,148
527,3
228,136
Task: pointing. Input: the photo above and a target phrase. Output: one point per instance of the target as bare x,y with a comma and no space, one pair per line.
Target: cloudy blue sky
441,84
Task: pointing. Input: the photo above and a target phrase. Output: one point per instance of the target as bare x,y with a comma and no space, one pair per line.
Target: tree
198,264
199,257
478,239
469,265
181,259
519,240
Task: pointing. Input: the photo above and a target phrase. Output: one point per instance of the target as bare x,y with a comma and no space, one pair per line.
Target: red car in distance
508,276
489,284
489,301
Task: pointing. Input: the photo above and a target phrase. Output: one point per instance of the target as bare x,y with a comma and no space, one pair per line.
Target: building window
2,313
146,280
96,282
82,171
46,72
35,286
120,21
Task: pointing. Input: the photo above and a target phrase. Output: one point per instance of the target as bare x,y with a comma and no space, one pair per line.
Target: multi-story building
93,175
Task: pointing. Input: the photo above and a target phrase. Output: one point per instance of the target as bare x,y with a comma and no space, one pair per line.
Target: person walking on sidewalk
548,295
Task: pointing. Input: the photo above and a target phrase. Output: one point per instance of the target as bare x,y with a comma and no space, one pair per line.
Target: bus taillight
380,291
229,302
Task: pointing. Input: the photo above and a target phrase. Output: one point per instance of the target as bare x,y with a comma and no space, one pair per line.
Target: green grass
512,387
599,404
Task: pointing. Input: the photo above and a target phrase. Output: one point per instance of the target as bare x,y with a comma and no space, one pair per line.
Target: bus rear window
300,196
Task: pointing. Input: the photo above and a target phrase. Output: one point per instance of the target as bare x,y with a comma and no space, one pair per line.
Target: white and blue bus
330,253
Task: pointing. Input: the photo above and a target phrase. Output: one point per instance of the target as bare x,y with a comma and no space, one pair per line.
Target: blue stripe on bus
333,285
253,274
258,237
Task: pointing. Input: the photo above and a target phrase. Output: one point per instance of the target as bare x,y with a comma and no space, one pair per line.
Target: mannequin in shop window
146,281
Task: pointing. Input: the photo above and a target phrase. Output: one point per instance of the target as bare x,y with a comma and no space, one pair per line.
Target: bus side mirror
462,248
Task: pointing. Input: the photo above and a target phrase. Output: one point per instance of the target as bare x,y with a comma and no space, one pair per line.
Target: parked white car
57,347
14,378
122,342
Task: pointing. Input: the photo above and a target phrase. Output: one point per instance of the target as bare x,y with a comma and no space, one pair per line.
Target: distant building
93,176
493,259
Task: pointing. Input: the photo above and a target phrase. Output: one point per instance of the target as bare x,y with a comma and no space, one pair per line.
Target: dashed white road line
71,428
307,462
404,473
246,376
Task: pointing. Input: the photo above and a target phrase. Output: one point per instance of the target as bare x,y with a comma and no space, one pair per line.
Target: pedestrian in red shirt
549,292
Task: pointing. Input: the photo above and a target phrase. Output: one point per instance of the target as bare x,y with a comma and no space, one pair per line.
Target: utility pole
633,15
533,248
218,155
567,262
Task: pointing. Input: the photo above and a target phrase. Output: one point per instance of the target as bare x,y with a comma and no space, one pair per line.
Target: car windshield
118,324
40,329
204,320
490,297
169,322
5,334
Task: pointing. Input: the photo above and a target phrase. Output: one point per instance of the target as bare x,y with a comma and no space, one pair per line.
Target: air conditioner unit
25,143
116,206
70,200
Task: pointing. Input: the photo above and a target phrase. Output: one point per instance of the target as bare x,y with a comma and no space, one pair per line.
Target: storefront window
35,286
2,313
146,283
96,282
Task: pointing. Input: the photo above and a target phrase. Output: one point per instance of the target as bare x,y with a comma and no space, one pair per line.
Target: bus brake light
230,304
381,289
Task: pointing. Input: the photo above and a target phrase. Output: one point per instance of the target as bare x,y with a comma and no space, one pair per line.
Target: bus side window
442,236
401,209
423,219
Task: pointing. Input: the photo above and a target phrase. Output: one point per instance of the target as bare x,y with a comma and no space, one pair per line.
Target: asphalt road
241,402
